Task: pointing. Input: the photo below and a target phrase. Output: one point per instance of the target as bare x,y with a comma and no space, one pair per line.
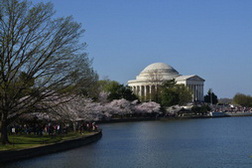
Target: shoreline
21,154
172,118
15,155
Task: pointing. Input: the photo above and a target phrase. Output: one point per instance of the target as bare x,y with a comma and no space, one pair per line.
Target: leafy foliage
211,97
243,100
172,94
201,109
169,97
116,90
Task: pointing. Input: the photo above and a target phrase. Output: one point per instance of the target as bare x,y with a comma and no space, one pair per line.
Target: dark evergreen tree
211,97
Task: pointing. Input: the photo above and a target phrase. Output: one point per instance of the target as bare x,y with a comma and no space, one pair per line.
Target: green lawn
29,141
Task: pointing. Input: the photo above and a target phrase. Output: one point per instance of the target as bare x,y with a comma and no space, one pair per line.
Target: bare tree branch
40,56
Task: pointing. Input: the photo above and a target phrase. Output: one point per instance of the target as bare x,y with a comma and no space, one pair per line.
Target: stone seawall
9,156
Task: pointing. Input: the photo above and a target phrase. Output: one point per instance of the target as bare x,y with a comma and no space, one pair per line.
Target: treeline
243,100
167,94
239,99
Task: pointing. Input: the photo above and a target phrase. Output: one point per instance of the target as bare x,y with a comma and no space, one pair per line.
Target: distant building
147,82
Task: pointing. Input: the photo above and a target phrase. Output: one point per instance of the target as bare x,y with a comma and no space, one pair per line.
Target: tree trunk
74,126
4,133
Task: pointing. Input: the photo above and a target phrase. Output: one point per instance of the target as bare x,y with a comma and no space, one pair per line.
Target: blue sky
210,38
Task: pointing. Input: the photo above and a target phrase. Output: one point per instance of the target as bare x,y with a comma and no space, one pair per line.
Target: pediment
190,78
195,78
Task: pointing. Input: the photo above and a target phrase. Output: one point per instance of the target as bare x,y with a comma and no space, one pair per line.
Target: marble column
145,92
150,91
138,91
202,92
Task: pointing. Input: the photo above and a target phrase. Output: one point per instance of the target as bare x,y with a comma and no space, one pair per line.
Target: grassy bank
30,141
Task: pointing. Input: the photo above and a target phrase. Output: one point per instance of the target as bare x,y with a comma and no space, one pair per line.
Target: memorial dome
164,71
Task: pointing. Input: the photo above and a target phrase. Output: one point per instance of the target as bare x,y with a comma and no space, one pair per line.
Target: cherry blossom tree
148,107
120,107
78,108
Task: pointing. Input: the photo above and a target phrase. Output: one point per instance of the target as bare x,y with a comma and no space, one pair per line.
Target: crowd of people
87,126
231,109
50,128
39,129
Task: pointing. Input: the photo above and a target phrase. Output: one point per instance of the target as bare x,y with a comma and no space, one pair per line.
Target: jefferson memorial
147,82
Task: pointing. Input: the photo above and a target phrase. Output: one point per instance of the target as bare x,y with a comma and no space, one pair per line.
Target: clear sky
210,38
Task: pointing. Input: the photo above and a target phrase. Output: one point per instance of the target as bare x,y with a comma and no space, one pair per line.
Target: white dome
159,70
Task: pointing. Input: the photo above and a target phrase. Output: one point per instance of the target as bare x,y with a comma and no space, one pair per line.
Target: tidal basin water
192,143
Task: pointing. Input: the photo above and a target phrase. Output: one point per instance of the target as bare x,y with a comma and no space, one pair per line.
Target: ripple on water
200,143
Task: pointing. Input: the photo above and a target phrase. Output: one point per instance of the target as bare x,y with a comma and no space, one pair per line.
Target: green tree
40,56
109,85
127,93
201,109
169,97
243,100
117,90
172,94
169,83
184,94
211,97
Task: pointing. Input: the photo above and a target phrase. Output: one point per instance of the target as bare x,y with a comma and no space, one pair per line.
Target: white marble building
147,82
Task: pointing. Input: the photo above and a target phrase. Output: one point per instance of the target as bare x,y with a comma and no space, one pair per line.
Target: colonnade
197,91
147,92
